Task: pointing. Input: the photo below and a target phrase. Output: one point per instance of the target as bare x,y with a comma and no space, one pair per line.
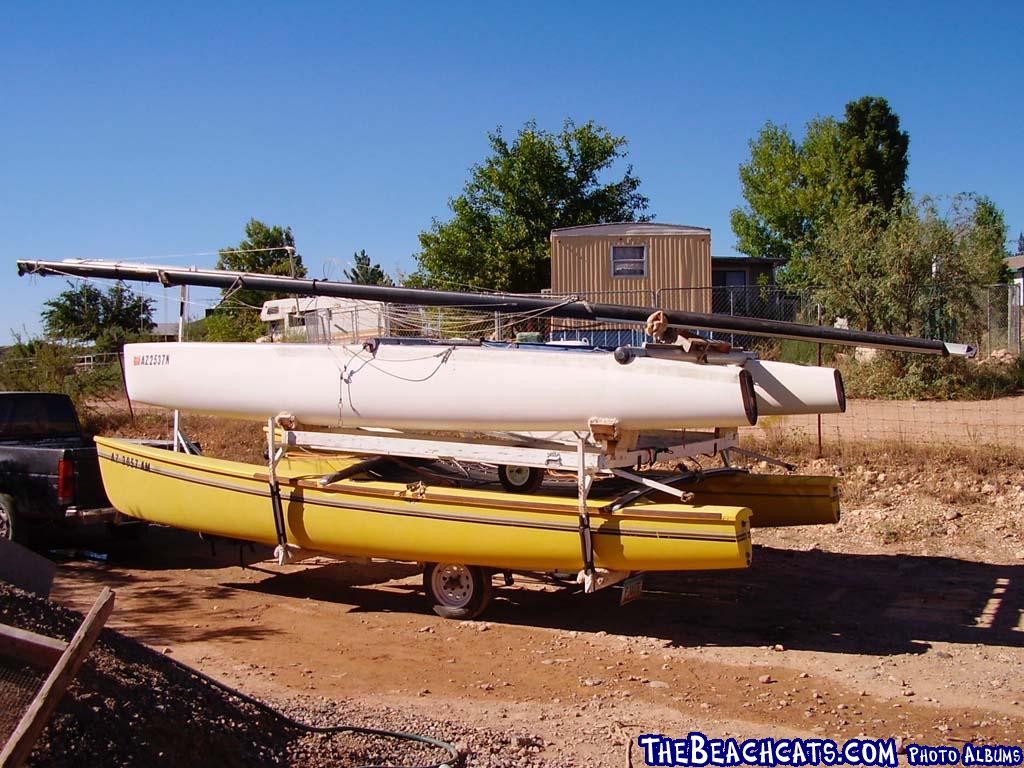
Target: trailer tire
520,479
457,591
8,529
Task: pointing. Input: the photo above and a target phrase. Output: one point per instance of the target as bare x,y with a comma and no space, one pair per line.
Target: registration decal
161,358
130,461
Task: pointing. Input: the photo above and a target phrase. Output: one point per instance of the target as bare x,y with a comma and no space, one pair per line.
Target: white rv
322,319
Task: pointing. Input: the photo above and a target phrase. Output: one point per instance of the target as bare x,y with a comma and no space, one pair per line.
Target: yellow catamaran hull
395,521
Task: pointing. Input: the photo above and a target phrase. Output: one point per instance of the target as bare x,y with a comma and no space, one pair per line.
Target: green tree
499,234
987,232
364,273
874,153
794,189
76,313
912,270
85,313
265,250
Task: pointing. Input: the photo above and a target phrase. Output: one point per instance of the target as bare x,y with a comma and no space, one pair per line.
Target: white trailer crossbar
527,452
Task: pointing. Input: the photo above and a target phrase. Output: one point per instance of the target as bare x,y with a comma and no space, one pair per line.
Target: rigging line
440,363
369,362
204,303
178,256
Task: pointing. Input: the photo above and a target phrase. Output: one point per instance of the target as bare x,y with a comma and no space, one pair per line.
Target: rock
658,684
988,488
778,647
765,679
952,515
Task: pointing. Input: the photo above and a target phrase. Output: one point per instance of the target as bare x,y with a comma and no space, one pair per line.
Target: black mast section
571,308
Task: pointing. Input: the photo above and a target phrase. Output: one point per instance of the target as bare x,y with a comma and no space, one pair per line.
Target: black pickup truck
49,472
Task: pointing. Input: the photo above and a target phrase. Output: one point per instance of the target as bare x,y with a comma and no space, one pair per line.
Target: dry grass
220,437
972,459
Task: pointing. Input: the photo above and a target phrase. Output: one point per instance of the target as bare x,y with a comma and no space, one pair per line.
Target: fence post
988,316
818,307
732,313
1013,300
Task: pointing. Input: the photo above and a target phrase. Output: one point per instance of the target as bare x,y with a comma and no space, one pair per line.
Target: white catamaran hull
438,387
787,389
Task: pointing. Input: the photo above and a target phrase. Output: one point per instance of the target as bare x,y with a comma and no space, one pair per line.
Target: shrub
898,376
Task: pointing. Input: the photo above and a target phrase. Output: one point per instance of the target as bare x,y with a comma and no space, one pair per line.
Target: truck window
28,415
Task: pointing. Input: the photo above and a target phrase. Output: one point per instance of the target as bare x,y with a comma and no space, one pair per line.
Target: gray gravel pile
132,706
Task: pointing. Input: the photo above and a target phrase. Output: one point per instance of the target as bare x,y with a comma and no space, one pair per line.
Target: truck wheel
7,518
457,591
520,479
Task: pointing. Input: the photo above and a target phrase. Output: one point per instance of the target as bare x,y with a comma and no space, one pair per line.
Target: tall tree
76,313
985,227
499,234
364,273
911,270
265,250
85,313
874,153
793,189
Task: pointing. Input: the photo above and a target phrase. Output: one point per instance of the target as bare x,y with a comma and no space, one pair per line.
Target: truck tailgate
89,492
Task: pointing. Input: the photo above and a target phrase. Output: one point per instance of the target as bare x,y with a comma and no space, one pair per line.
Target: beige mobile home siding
583,264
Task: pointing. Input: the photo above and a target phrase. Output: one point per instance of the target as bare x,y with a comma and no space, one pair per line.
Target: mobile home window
629,260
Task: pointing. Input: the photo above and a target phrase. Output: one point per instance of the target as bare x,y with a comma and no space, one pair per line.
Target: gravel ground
133,706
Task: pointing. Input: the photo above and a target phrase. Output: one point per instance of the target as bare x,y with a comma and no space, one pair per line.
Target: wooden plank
19,746
40,651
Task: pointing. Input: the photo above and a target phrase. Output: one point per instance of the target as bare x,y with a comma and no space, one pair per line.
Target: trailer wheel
457,591
516,479
7,518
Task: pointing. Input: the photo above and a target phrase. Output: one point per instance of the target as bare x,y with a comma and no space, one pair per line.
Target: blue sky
144,130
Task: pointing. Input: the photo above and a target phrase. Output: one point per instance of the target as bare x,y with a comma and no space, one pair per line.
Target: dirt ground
997,422
905,620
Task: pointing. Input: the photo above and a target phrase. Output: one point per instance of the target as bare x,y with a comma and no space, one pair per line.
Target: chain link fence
992,323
